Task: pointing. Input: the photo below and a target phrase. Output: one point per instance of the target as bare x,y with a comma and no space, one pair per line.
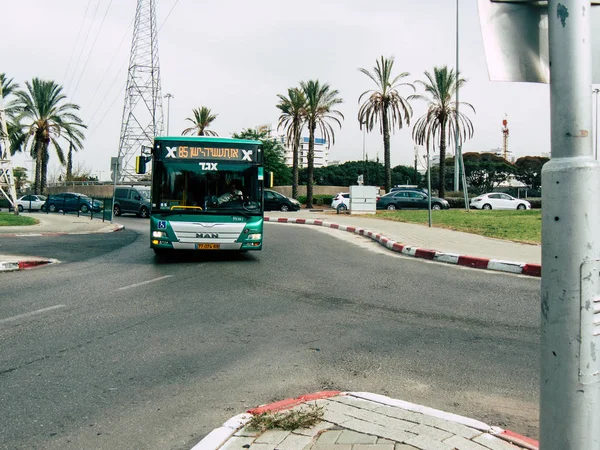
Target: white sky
235,56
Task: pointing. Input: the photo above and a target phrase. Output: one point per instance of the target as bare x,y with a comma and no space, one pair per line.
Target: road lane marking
32,313
131,286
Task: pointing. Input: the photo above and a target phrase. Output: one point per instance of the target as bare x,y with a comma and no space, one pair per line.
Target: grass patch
519,226
10,220
288,420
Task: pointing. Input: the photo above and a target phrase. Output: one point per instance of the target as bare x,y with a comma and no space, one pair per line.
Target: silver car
31,202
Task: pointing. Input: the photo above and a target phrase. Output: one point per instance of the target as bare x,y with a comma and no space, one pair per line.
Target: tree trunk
70,163
386,150
39,152
442,179
295,169
44,172
311,157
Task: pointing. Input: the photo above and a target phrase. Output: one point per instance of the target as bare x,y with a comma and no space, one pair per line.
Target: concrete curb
111,229
216,438
534,270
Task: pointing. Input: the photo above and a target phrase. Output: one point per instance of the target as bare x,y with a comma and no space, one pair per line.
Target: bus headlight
158,234
255,236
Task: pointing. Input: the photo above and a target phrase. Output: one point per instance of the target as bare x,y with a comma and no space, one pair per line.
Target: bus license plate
207,246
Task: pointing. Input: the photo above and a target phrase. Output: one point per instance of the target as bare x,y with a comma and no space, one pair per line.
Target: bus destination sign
183,152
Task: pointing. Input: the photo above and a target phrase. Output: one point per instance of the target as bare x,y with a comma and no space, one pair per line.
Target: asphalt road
112,349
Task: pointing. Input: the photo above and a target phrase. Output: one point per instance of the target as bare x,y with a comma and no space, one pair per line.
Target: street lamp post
168,97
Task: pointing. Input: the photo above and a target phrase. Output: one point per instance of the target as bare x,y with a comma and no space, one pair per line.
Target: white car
497,200
341,201
31,202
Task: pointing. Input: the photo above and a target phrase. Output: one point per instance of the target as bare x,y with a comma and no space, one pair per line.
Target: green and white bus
207,193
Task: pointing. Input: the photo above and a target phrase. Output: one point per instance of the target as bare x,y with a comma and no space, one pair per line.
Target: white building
321,158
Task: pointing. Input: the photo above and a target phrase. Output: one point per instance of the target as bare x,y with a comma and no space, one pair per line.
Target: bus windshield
189,187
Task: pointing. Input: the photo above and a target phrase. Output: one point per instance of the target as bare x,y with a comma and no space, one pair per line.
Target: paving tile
247,432
272,437
493,443
377,430
405,447
329,437
353,437
332,447
294,442
315,429
384,441
433,433
369,415
373,447
426,443
261,447
335,418
236,443
460,443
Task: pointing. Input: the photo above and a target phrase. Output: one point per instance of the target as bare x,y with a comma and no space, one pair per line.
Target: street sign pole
570,296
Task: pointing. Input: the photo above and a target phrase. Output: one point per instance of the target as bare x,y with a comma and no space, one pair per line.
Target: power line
92,49
84,43
113,60
77,39
170,11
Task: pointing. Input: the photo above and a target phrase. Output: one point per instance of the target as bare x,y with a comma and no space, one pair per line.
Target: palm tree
386,106
45,117
15,137
441,117
203,117
292,119
320,99
75,140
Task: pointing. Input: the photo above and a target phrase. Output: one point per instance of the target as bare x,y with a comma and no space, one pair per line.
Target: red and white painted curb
14,265
534,270
61,233
216,438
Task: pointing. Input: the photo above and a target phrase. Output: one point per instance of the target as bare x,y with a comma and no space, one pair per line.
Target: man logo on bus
247,155
171,152
207,235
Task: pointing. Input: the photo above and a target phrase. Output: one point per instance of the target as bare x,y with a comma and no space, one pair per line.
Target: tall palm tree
292,119
203,117
441,117
15,136
320,100
45,116
386,106
75,140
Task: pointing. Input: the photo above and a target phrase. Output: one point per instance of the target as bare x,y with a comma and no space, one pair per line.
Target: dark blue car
70,201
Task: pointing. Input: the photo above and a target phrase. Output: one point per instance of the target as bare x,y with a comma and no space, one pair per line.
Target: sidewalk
363,421
49,225
438,244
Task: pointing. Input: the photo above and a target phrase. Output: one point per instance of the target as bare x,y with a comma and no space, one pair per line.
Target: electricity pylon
143,111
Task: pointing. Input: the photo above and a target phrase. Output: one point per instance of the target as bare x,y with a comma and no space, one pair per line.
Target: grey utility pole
570,310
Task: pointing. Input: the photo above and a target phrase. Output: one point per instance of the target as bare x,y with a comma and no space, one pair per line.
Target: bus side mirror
140,164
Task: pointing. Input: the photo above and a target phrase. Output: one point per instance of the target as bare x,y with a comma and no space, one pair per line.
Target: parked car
31,202
71,201
132,199
341,201
409,199
408,188
274,201
498,200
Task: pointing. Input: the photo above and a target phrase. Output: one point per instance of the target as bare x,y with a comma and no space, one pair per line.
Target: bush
323,199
